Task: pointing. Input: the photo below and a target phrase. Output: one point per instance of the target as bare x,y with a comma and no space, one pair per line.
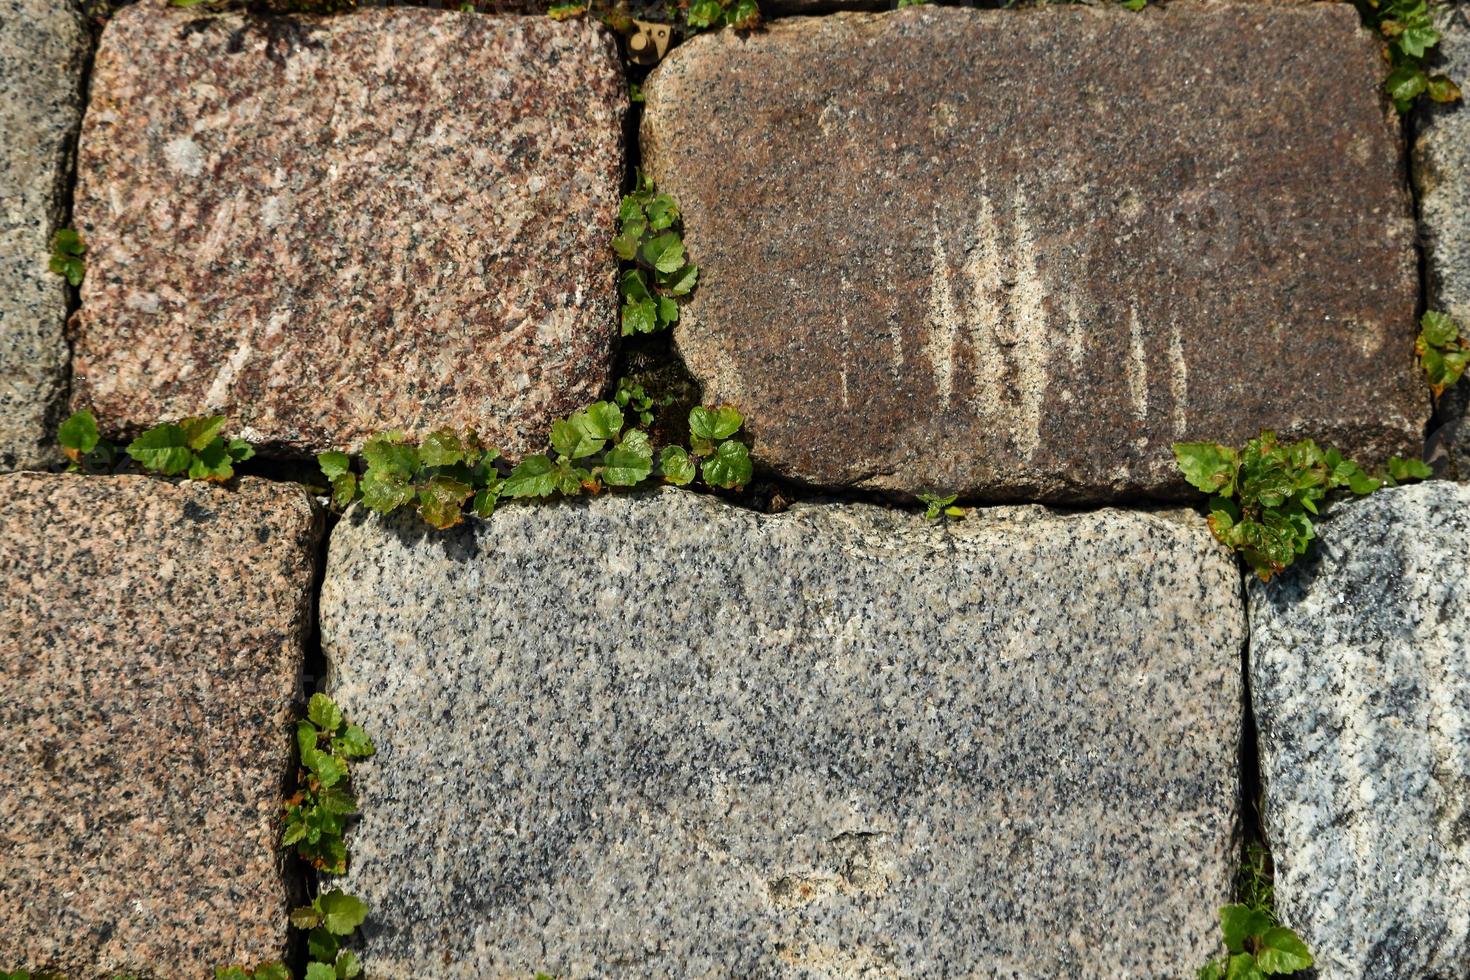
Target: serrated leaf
388,454
1241,922
640,316
348,965
575,437
333,464
676,465
327,769
322,945
442,447
1208,466
305,917
344,489
1439,329
1402,470
272,971
1416,39
665,252
212,463
356,744
384,491
320,971
729,467
323,712
1243,967
1404,85
441,501
534,476
1281,951
162,449
1441,88
78,435
633,286
629,462
681,282
200,432
714,424
341,912
602,419
485,500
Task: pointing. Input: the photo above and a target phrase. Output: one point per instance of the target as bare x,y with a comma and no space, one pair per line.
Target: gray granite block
1360,678
1442,183
659,735
43,48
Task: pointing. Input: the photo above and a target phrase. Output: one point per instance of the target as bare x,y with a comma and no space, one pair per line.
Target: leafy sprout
650,242
67,250
937,507
1443,351
1408,31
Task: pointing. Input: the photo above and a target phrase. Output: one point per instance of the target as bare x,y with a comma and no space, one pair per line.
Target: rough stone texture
151,645
43,49
1018,253
661,736
1442,180
1360,678
325,227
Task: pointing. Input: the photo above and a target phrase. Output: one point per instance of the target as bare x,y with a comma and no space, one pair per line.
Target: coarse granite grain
1017,254
660,736
1442,186
1360,680
151,642
325,227
43,51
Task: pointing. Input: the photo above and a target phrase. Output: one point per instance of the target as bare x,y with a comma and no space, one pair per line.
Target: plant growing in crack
1443,350
657,273
67,251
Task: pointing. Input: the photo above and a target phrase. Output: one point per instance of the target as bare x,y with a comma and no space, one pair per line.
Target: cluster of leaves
1265,496
66,255
937,507
596,447
1408,31
1443,351
315,820
650,241
1257,946
743,15
192,447
439,476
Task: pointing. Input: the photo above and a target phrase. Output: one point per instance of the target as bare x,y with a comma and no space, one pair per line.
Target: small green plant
1256,945
439,476
316,815
1443,351
911,3
650,241
742,15
593,448
192,447
1266,495
67,250
566,11
937,507
1408,31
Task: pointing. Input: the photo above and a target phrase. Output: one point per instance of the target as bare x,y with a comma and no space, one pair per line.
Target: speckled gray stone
1442,181
43,48
1360,679
661,736
151,643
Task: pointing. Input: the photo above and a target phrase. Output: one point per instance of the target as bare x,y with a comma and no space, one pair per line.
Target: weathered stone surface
662,736
1360,678
1442,180
43,48
1021,252
325,227
151,640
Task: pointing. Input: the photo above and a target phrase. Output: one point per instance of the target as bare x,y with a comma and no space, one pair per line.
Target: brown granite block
151,640
323,227
1018,253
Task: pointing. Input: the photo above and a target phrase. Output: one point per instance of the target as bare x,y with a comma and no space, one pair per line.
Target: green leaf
387,453
200,432
220,973
1403,470
240,450
334,464
272,971
485,500
442,447
1241,922
1441,88
535,476
323,712
341,912
729,467
1281,951
633,286
604,419
78,435
305,917
1438,329
681,282
347,965
162,449
640,316
1404,85
337,801
384,491
1243,967
320,971
664,253
212,463
355,743
322,945
714,425
328,770
1416,39
344,489
1213,970
629,462
1208,466
676,465
441,501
